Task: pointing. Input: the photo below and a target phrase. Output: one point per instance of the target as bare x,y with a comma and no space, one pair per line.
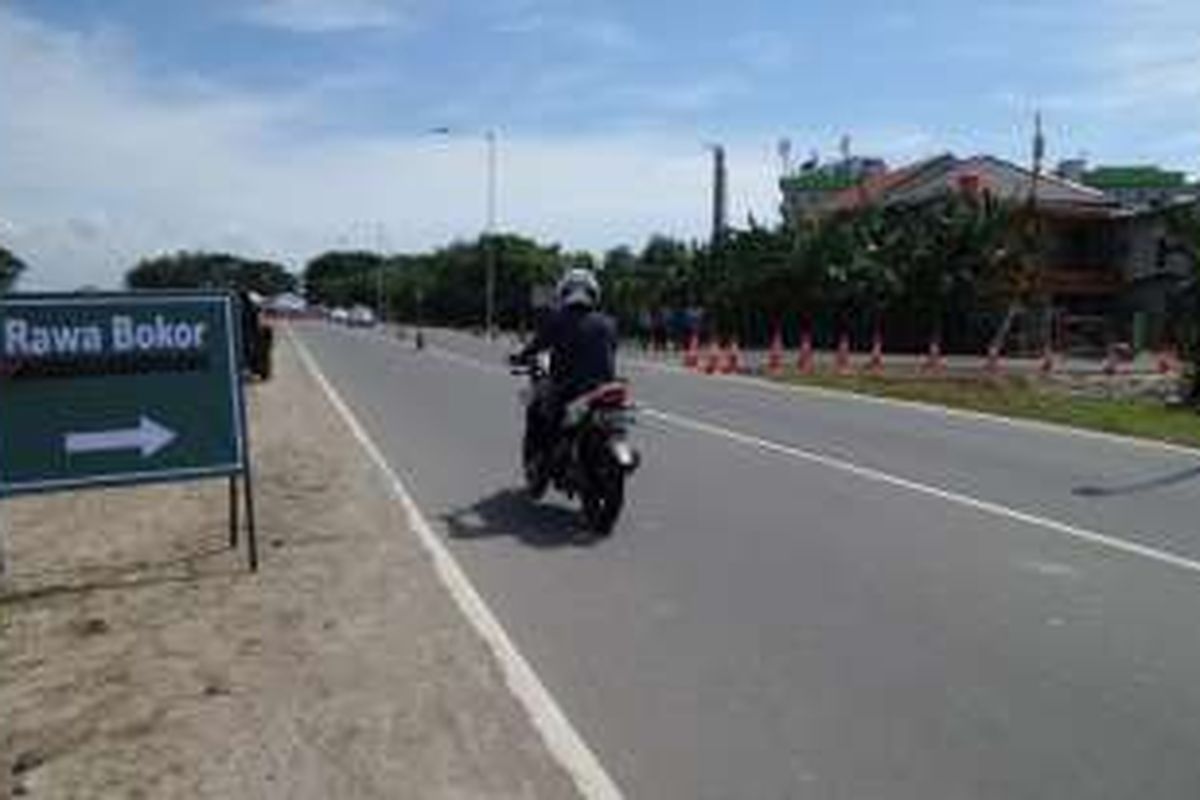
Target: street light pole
491,234
379,304
491,138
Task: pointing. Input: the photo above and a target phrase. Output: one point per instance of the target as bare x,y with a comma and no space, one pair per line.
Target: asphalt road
813,596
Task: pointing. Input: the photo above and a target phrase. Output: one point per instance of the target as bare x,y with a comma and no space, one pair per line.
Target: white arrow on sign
148,436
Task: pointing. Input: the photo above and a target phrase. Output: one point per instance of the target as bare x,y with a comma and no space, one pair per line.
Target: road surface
814,596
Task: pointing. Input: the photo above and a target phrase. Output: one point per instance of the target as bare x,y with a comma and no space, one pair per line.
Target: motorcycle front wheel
537,474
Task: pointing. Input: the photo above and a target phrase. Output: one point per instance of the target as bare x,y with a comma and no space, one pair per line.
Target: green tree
210,270
11,268
1183,226
343,278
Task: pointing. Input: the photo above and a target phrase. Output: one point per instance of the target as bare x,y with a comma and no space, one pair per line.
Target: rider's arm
542,340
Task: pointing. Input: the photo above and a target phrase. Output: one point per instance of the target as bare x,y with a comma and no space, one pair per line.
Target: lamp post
491,233
380,306
491,138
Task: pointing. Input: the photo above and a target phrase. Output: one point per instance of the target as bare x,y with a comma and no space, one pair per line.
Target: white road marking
556,730
987,507
1049,568
149,437
927,408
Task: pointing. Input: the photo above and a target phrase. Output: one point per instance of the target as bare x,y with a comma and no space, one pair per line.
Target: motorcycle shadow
510,512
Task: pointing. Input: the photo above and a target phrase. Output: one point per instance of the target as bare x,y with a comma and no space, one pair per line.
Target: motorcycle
591,457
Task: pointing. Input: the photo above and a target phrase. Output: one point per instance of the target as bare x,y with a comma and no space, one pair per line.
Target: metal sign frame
239,467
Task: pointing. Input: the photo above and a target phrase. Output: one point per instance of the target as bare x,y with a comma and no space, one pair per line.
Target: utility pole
719,198
1039,153
719,220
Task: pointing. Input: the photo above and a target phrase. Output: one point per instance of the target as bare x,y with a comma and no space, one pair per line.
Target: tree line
198,270
444,286
953,269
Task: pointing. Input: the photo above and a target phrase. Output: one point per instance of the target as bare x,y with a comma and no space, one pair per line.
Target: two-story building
1105,261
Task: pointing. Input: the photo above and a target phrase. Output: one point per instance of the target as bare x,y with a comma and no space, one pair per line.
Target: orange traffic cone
842,362
775,357
691,356
992,365
712,363
875,365
733,359
1167,361
1111,366
1047,361
933,360
805,361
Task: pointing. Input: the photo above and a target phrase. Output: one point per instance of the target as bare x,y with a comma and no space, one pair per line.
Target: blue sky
281,127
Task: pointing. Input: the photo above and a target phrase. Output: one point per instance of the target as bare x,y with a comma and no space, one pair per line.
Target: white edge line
994,509
929,408
563,741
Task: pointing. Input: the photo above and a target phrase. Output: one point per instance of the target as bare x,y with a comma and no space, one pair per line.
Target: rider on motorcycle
582,342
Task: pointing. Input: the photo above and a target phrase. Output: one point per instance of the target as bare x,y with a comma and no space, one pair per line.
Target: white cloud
765,50
526,23
1137,55
605,34
1125,81
104,165
680,97
323,16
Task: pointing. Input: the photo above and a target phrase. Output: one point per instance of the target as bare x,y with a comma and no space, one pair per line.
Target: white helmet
578,287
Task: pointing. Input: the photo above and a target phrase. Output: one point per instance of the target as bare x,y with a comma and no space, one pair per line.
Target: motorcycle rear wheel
602,502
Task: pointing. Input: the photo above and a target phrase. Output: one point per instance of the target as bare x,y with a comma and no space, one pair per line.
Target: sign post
120,389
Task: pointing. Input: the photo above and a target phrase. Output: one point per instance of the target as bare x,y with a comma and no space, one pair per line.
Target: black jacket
583,349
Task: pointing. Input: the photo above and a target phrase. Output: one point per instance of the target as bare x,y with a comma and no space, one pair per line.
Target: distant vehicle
340,316
361,316
287,305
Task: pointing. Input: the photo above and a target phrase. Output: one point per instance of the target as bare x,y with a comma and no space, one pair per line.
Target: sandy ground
139,658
